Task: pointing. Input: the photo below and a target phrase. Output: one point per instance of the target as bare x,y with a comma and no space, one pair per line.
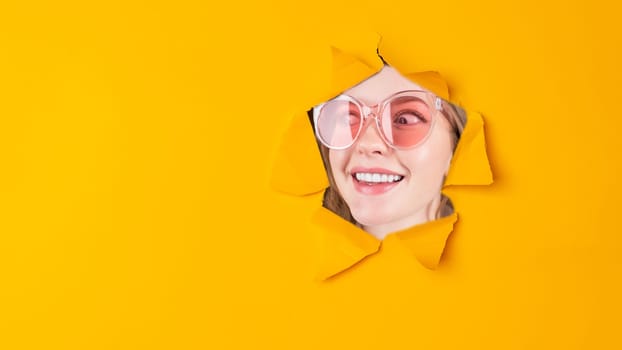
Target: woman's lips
374,181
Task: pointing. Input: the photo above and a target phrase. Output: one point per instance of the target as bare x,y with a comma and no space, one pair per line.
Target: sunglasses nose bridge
371,114
363,139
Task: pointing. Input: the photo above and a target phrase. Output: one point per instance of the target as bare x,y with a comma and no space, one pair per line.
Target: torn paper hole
387,145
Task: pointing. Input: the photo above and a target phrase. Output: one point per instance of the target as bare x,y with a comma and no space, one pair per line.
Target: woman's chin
372,220
385,223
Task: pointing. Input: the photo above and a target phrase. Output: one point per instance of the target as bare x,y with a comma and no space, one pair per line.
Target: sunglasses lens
338,123
406,120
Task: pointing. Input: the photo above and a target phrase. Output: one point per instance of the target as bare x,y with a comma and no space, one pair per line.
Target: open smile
374,181
377,177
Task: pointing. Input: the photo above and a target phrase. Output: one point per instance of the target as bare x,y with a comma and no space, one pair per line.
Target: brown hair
333,201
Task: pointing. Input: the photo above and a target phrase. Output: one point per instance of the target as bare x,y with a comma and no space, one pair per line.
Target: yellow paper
138,141
299,171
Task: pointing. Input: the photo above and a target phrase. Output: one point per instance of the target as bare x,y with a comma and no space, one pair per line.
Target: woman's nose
370,141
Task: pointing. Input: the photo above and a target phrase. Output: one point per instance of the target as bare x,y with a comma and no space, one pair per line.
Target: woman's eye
351,119
407,118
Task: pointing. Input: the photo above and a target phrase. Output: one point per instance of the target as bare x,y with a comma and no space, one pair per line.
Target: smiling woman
388,176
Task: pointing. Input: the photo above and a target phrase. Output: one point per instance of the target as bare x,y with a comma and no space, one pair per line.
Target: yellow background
136,143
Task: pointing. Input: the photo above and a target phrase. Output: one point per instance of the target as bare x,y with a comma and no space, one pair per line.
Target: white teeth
377,178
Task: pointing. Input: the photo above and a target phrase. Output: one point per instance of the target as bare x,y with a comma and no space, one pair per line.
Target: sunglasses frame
376,111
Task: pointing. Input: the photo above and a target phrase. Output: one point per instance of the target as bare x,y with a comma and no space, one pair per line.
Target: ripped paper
299,170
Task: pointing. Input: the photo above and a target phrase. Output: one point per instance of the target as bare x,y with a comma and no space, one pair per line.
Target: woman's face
385,207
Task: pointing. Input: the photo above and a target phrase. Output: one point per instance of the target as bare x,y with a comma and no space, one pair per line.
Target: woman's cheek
337,160
429,163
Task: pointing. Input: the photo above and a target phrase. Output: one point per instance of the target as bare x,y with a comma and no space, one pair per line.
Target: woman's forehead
381,85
